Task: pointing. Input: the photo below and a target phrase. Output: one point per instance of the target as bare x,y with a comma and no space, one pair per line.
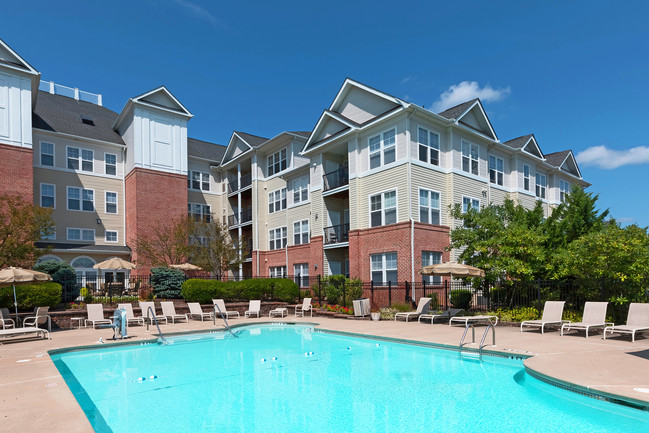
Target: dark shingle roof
205,149
62,114
454,112
305,134
518,142
252,140
555,159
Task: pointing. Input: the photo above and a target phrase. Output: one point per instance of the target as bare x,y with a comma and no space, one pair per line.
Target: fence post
299,288
538,289
372,289
344,295
446,294
320,289
390,293
407,292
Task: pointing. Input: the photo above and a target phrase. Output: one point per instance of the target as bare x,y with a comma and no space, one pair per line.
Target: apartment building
366,193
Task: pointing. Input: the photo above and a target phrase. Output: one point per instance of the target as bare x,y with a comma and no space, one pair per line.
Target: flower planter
375,316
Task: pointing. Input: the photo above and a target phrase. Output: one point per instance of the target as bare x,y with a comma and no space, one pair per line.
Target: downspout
412,221
255,202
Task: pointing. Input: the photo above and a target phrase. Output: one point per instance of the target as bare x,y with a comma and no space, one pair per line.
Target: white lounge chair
594,317
196,310
474,320
306,306
446,314
24,331
422,307
552,314
253,308
169,311
636,321
96,315
148,308
130,316
221,307
5,319
40,317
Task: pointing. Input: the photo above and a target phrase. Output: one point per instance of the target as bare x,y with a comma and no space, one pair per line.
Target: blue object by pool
217,383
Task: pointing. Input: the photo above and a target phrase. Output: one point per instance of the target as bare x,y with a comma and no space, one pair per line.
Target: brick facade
17,172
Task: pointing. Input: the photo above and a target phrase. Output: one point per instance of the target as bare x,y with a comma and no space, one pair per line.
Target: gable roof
58,113
250,139
159,98
518,142
10,58
305,134
527,143
556,159
205,149
455,112
472,115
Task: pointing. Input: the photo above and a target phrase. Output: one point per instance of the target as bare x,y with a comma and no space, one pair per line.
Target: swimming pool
297,379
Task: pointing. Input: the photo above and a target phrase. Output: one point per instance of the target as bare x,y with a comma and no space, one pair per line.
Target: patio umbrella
13,275
186,267
115,263
452,269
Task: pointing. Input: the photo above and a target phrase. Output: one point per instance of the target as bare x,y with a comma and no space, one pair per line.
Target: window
301,189
111,236
81,199
383,209
429,207
540,185
564,190
526,177
81,235
111,164
277,162
200,212
384,268
301,232
431,258
277,200
80,158
50,237
277,238
111,202
469,157
382,148
47,154
301,272
470,203
198,180
496,170
48,195
428,146
277,271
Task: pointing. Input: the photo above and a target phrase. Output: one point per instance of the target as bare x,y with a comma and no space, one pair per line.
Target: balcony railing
236,185
240,218
336,178
336,234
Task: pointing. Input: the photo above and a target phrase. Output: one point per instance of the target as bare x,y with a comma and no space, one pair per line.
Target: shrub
46,294
387,313
335,285
461,298
203,291
86,295
61,273
517,314
285,290
167,282
401,307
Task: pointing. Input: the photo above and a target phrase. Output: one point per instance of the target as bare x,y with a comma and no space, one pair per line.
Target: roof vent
87,120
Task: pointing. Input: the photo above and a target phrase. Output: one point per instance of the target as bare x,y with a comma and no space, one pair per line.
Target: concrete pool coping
34,396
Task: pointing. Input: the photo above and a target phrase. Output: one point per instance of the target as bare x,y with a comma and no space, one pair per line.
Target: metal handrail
216,307
161,336
486,331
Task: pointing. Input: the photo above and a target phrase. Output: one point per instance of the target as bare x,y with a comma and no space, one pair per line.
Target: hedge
461,298
29,296
203,291
167,282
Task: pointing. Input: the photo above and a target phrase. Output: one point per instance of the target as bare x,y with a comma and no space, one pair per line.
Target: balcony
336,234
336,179
235,185
241,218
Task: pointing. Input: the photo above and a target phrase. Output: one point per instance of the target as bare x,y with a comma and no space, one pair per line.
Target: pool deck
35,398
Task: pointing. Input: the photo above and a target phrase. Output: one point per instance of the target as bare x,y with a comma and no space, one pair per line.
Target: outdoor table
78,319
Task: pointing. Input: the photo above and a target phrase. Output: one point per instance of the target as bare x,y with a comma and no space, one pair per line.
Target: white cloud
405,80
608,159
199,12
465,91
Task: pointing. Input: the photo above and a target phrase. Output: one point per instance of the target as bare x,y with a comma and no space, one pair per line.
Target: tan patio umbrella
13,275
452,269
115,263
186,267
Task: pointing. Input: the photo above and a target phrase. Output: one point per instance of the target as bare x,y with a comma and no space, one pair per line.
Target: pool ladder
484,336
216,307
161,337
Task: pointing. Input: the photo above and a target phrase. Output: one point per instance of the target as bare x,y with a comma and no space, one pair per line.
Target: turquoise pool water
293,379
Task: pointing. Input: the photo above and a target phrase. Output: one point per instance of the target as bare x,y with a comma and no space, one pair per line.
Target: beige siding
363,142
431,180
497,196
298,213
361,106
392,179
415,123
204,167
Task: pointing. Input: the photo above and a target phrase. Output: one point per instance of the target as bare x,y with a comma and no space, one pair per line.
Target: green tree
61,273
21,225
212,248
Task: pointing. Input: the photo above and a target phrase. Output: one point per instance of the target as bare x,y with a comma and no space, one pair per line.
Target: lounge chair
25,331
594,317
146,313
196,310
636,321
422,307
221,308
169,311
552,314
446,315
5,319
253,308
39,318
130,316
306,306
96,315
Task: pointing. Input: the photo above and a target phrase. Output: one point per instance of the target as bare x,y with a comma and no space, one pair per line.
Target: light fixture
98,220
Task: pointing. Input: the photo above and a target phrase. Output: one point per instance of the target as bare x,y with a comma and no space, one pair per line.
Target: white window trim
67,233
381,150
471,145
200,181
106,202
41,194
562,191
272,155
439,150
275,240
528,177
106,164
384,268
301,233
382,193
81,149
434,279
429,207
40,153
544,186
202,214
302,188
116,236
275,210
497,158
81,189
472,199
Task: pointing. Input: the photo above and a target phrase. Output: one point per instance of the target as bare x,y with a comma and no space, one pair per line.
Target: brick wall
17,171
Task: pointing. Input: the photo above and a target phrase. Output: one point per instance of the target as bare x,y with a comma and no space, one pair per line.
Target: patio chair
552,314
39,318
636,321
146,313
5,319
221,307
169,311
306,306
253,308
130,316
594,317
96,315
196,310
422,307
446,315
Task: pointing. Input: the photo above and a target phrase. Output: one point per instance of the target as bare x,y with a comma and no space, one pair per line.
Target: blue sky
573,73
